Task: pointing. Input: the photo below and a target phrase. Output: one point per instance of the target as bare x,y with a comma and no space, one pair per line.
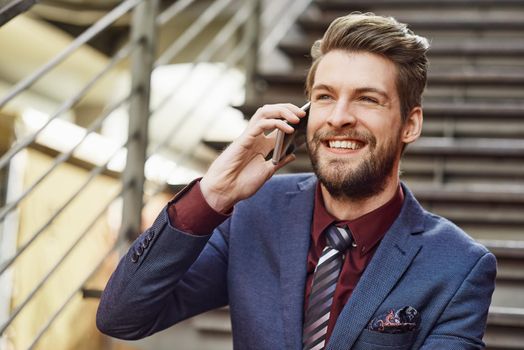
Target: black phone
286,144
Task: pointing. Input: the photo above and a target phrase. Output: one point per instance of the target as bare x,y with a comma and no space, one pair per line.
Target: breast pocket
372,340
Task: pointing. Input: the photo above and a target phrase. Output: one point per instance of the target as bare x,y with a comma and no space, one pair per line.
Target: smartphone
286,144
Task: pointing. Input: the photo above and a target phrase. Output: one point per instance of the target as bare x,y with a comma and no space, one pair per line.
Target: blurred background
108,107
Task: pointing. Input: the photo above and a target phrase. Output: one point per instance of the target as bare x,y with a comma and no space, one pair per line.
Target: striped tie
325,277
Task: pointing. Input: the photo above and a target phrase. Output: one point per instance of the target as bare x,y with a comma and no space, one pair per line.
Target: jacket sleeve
463,322
166,276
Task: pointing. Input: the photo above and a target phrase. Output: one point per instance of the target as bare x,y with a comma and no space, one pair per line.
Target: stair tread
427,22
468,146
446,146
477,47
434,78
505,248
345,5
506,316
440,109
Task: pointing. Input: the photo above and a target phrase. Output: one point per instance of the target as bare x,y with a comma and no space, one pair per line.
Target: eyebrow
322,87
357,91
374,90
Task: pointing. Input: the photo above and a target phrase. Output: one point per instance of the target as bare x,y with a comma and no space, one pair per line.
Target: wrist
216,199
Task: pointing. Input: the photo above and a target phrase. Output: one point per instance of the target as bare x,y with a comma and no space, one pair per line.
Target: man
343,259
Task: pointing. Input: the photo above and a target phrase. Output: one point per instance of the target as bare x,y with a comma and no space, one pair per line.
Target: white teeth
344,144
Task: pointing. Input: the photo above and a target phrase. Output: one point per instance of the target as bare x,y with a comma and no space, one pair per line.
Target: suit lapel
295,235
392,258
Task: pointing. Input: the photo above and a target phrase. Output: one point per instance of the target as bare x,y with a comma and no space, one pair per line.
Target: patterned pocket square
400,321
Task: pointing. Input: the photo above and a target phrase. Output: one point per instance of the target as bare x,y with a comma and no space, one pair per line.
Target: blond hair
385,36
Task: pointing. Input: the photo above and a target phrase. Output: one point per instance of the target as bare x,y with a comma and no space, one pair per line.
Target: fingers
270,124
284,111
286,160
277,116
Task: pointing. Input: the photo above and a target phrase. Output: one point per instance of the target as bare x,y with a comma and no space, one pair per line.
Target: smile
345,144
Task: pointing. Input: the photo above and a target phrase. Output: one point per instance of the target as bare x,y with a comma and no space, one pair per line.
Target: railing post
144,32
252,35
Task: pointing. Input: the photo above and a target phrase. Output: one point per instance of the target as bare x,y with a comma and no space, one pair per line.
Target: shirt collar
367,229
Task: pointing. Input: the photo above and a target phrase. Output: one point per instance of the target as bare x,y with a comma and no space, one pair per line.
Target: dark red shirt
191,213
367,231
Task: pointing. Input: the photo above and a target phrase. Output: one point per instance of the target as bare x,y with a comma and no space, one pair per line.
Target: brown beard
367,179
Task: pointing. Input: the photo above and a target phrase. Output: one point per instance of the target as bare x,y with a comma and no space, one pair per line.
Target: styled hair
385,36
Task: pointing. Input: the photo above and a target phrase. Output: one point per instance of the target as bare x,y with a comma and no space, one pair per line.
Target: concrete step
346,6
505,328
442,86
441,157
449,48
447,53
315,27
458,119
480,78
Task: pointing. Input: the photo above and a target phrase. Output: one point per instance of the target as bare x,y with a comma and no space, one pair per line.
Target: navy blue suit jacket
255,262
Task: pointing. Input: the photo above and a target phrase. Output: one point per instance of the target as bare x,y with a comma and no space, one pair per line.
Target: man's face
354,125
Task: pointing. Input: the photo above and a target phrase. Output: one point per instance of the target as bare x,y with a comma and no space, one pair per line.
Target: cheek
313,124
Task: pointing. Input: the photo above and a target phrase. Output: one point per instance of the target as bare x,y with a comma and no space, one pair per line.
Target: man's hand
242,168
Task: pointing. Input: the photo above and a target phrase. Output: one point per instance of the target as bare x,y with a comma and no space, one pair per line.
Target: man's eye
369,99
323,97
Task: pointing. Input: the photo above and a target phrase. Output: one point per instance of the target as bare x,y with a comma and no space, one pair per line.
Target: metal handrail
210,50
236,55
31,294
64,107
282,26
239,18
92,175
217,41
42,331
172,11
63,157
196,28
83,38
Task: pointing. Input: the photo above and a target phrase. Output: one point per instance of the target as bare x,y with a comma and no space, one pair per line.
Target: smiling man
344,258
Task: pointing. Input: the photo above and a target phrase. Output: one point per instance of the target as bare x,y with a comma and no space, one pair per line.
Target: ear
413,126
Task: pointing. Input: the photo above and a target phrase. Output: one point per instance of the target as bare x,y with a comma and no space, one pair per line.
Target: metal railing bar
210,50
237,54
42,331
63,157
279,29
226,32
238,19
242,49
273,12
92,175
194,29
87,35
172,11
121,55
30,296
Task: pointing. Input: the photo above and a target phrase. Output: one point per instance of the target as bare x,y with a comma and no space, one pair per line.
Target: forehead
353,70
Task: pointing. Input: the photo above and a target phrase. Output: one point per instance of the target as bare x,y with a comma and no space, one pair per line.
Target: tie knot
339,238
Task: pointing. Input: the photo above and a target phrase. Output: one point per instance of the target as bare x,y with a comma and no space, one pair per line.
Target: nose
341,116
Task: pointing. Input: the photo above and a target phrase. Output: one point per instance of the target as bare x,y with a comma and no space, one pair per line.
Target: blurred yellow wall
75,327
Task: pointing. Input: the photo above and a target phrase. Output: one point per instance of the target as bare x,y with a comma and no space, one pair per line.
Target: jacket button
134,257
139,250
150,236
144,244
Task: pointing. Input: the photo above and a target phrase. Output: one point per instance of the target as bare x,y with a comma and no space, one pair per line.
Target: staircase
469,164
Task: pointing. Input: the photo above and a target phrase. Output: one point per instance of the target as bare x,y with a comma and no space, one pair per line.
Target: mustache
350,134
